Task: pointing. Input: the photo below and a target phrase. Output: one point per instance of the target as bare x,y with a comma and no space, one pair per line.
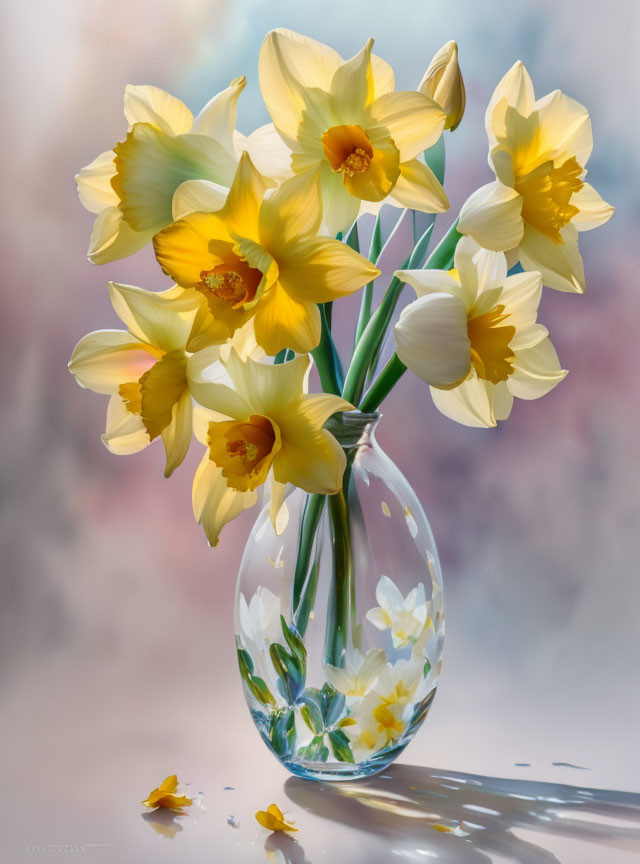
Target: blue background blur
116,620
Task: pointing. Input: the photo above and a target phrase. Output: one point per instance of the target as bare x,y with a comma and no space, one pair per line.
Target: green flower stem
327,360
309,524
384,383
340,593
442,256
367,292
308,599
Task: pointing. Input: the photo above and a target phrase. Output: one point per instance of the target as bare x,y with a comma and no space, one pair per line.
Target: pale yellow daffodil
273,819
443,83
264,422
406,617
540,200
359,673
259,257
167,796
144,369
344,118
472,335
374,724
169,164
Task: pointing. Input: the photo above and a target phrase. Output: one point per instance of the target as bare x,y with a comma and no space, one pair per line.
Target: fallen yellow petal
273,819
165,796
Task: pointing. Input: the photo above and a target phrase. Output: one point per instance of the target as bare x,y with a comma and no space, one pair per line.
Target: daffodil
260,258
406,617
472,335
143,370
273,819
359,674
540,200
375,724
167,796
267,423
443,83
344,118
169,164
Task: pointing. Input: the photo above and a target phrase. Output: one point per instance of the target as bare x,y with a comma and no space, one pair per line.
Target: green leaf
283,732
435,159
311,712
315,751
332,704
293,640
427,667
340,746
256,685
420,712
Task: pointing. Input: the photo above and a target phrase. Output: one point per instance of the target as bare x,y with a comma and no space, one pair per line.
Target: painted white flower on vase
260,618
374,725
406,617
360,672
398,683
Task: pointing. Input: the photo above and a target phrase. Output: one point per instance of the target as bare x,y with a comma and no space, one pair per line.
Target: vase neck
353,428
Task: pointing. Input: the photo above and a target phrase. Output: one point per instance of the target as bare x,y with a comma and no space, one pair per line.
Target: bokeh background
116,631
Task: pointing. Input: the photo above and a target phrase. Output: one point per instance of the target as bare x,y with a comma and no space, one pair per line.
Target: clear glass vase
339,617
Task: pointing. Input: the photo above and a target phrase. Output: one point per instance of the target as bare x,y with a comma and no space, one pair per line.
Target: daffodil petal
162,322
103,360
278,511
144,103
289,63
125,432
310,458
268,152
418,188
321,269
292,212
196,196
426,282
218,117
352,87
521,295
516,88
267,388
492,215
176,437
560,264
182,249
339,207
413,121
593,210
564,127
94,183
112,238
214,502
389,596
432,341
479,269
502,401
469,404
281,321
242,208
537,371
383,77
205,375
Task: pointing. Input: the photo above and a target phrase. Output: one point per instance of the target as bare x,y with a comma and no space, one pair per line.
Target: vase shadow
424,813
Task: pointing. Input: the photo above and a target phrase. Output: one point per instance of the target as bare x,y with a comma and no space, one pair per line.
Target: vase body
339,618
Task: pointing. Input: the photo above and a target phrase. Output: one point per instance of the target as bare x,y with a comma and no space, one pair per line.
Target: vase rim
352,428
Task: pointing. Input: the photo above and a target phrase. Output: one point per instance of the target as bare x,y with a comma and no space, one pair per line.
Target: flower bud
443,83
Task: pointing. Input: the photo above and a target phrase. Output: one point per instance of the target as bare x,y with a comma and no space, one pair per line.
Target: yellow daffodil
169,164
264,422
443,83
540,200
166,796
398,683
260,258
472,335
344,118
144,369
273,819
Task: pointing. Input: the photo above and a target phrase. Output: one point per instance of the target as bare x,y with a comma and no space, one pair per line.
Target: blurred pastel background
117,653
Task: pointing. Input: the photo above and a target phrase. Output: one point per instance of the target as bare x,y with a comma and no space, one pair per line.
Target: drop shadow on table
427,813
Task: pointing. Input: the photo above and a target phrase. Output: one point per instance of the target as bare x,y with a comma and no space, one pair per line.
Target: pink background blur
116,626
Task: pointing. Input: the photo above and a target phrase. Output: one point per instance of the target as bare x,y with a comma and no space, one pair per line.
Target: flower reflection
164,822
425,813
